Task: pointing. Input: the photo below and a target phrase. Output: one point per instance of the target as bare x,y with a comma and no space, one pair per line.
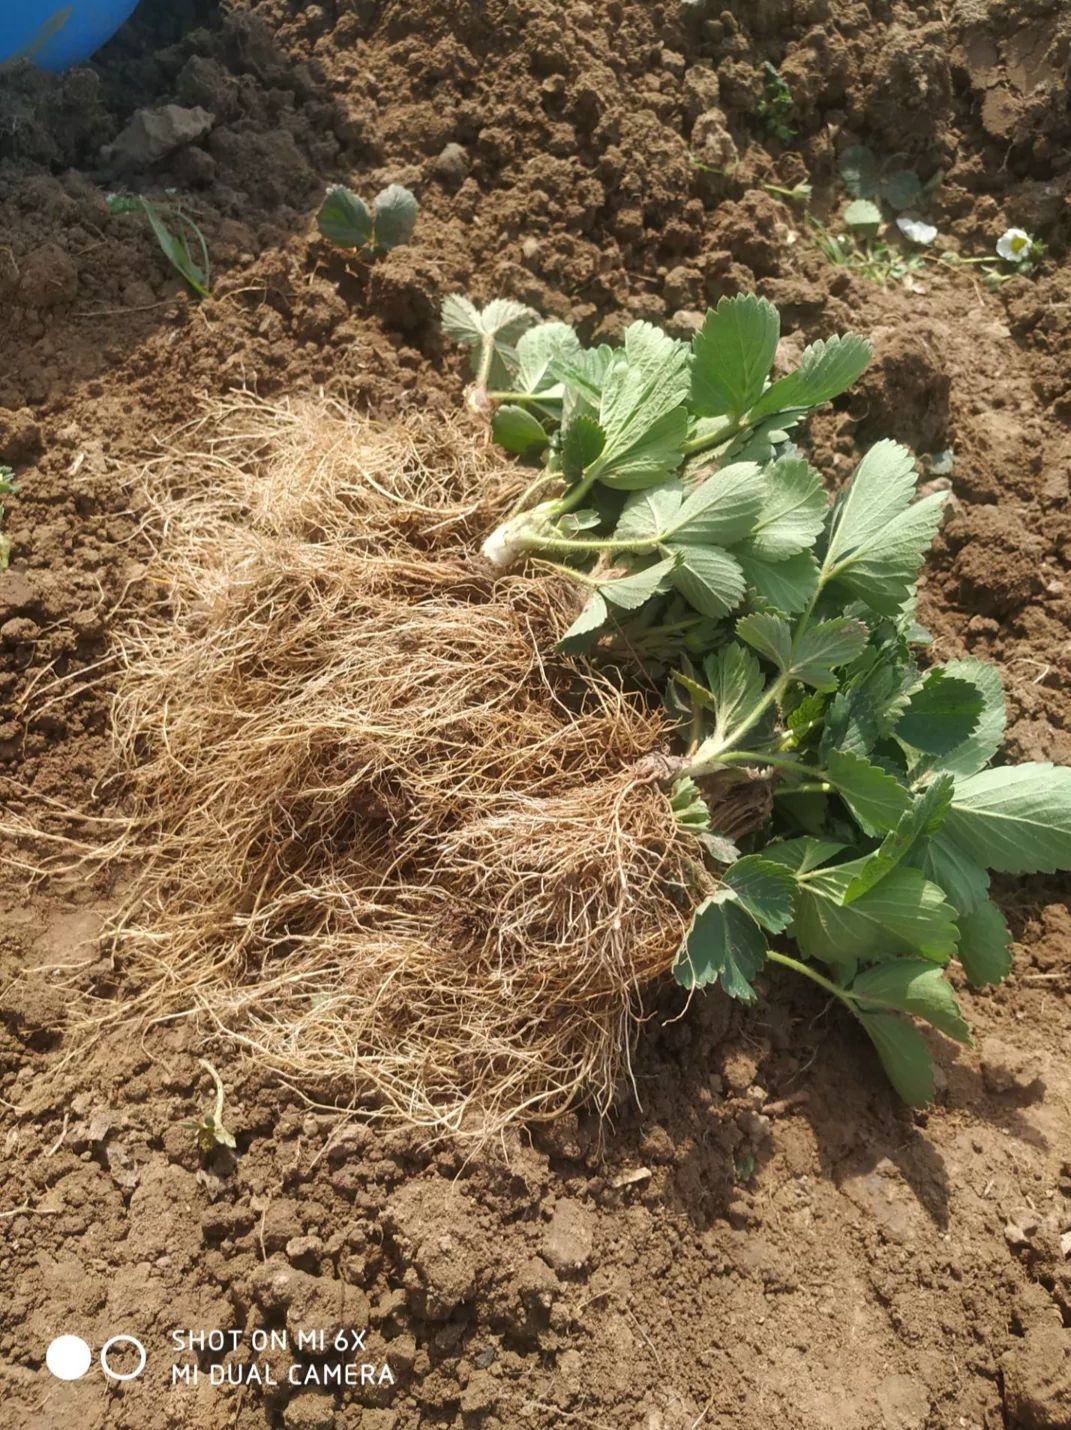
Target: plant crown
781,627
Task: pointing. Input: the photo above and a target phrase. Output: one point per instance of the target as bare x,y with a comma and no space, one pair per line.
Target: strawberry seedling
838,786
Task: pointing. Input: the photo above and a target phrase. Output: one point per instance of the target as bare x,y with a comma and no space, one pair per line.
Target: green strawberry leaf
904,1056
732,355
764,888
941,714
985,945
908,985
1015,819
723,944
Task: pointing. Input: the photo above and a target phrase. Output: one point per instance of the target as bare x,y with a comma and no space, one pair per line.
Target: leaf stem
813,974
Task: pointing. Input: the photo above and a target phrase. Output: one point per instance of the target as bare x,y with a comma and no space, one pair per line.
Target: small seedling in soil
7,486
209,1131
775,107
836,782
175,243
345,219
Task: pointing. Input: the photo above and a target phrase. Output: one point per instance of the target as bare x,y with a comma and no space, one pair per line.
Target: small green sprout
209,1131
7,485
176,245
345,219
776,104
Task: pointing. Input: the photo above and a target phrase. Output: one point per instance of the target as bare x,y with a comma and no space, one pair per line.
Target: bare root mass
381,836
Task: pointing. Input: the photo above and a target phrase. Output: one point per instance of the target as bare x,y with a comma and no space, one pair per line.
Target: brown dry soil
770,1238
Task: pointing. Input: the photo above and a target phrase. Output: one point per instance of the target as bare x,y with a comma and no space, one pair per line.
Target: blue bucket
57,35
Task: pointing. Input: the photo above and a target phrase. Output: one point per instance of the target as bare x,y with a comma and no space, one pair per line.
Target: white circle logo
122,1340
68,1357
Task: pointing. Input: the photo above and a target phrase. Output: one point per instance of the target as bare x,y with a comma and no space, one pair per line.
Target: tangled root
383,837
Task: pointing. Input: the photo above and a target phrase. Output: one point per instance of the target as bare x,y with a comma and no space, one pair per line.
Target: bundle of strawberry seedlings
836,785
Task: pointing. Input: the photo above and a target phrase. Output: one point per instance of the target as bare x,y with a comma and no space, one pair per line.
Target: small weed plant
180,238
347,221
7,486
209,1131
839,787
775,106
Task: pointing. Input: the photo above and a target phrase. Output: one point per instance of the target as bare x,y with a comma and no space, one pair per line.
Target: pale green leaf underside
1016,819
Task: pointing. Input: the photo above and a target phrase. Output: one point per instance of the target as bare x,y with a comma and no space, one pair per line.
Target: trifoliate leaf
723,509
537,350
827,368
579,635
904,1056
863,215
496,328
344,219
396,211
985,945
582,441
909,985
943,862
629,592
724,943
904,913
919,823
792,511
787,586
735,683
859,169
941,714
877,800
813,656
641,410
988,734
825,646
518,431
707,577
733,353
764,888
876,540
649,514
1015,819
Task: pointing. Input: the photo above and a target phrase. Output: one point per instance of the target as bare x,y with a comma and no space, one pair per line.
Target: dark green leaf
902,189
964,881
582,441
986,738
764,888
940,716
723,943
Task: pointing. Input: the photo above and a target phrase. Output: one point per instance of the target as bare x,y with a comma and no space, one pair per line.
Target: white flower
916,230
1015,245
